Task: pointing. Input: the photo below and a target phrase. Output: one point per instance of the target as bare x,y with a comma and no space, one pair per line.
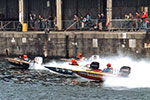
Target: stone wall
69,44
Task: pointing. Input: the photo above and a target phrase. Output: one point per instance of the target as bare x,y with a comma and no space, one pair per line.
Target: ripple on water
19,84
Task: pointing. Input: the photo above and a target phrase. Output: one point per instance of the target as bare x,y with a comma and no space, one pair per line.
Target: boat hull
99,75
90,75
60,70
19,62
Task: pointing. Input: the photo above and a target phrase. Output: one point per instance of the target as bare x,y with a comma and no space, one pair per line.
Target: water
19,84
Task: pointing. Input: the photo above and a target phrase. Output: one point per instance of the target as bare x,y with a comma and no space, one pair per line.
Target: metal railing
8,25
122,24
116,24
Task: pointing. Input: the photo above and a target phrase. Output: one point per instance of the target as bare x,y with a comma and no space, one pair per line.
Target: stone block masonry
69,44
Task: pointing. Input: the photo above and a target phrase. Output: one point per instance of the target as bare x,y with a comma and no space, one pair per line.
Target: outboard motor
38,60
94,65
125,71
37,63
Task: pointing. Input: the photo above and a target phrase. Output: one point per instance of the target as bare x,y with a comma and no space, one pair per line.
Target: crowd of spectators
40,23
140,21
137,22
86,22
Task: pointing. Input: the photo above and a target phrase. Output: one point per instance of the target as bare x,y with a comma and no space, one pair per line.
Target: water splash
138,78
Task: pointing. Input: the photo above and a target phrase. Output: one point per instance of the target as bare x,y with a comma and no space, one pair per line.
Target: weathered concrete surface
69,44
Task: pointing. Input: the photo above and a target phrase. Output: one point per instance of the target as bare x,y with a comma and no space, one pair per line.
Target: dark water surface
19,84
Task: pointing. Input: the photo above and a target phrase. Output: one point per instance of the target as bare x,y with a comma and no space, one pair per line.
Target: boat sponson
60,70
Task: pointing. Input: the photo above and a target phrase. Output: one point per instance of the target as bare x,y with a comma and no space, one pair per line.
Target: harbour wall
69,44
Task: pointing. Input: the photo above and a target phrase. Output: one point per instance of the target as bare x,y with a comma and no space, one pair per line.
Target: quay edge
70,43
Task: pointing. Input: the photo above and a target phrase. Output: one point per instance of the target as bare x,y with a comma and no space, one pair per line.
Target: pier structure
64,10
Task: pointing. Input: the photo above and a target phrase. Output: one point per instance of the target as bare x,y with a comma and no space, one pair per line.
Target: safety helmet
79,55
25,56
108,65
73,60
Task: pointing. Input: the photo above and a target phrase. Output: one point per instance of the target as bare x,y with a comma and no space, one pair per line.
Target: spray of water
138,78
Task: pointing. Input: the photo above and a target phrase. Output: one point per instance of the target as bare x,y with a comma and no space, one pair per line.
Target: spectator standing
38,22
55,23
76,19
31,21
34,19
99,22
126,17
85,22
145,19
103,21
138,17
51,22
89,21
82,23
130,21
43,23
19,27
46,23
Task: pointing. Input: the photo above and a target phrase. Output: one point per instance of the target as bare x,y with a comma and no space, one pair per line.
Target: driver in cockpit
109,69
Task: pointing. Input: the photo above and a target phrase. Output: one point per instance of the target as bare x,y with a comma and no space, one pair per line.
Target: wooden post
59,14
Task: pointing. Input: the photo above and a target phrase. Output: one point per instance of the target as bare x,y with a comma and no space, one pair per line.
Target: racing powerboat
27,64
58,70
19,62
65,70
94,73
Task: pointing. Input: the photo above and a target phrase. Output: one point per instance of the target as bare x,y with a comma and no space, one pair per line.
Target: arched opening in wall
7,52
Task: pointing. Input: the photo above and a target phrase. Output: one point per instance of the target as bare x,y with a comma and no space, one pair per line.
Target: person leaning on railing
126,17
130,23
138,17
19,27
99,22
76,20
103,21
145,19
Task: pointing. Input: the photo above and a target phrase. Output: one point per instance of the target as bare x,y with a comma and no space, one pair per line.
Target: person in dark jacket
19,27
103,21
